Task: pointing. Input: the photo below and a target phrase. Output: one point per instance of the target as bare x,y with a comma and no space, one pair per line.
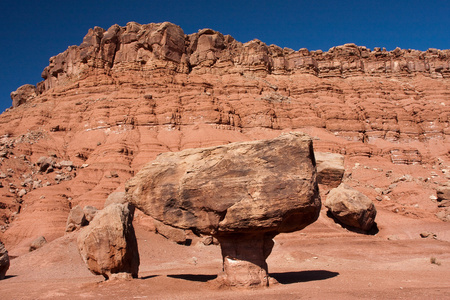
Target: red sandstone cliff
128,93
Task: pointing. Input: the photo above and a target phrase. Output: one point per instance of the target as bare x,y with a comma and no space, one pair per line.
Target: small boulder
37,243
350,207
108,244
45,164
76,219
4,261
22,193
37,184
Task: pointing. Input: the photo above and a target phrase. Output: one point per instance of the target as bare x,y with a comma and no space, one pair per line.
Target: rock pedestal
244,259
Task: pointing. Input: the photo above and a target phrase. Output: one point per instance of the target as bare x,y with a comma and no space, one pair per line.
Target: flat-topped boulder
243,194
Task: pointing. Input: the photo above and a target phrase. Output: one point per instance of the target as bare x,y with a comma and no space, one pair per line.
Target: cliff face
129,93
152,47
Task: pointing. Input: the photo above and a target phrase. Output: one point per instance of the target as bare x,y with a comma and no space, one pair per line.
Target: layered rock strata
126,94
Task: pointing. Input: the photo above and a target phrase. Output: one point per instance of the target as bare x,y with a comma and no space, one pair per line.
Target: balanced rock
4,261
108,244
330,168
243,194
351,207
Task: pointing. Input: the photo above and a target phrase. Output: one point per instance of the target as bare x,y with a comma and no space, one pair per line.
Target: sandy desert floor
324,261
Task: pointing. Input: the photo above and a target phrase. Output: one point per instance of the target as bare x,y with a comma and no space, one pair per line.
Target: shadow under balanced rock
243,194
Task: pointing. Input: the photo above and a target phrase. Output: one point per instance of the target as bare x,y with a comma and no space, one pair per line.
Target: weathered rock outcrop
108,244
23,94
243,194
164,46
4,261
351,208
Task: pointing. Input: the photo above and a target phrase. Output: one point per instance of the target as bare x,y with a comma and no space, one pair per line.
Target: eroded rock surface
243,193
108,244
23,94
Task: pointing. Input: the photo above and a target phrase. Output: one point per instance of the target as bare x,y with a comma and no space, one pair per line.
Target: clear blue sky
33,31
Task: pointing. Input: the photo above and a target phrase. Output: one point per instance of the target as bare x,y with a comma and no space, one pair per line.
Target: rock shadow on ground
303,276
372,231
148,277
194,277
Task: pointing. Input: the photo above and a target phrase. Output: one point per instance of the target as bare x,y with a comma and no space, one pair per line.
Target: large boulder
330,168
243,194
4,261
351,207
108,244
